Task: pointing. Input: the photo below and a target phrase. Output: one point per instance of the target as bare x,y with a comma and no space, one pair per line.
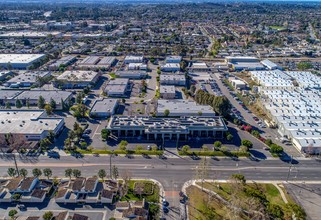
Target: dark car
53,154
165,209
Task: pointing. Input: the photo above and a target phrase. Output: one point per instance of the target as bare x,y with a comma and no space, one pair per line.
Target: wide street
175,171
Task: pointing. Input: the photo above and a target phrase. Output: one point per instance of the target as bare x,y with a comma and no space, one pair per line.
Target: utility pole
15,163
287,178
112,153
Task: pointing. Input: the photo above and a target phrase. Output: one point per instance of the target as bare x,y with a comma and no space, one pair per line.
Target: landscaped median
214,153
131,152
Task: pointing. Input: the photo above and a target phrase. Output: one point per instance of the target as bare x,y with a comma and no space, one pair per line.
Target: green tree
105,134
36,172
276,211
185,149
41,102
12,172
166,113
8,106
243,148
229,137
28,103
247,143
123,145
53,103
268,142
44,144
102,174
47,215
68,173
139,148
48,109
12,213
239,177
47,172
76,173
217,144
23,172
18,103
276,149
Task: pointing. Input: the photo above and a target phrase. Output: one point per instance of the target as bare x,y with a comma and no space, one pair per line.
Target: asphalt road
175,170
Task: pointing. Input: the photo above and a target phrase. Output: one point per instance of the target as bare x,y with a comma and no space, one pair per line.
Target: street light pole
112,153
287,178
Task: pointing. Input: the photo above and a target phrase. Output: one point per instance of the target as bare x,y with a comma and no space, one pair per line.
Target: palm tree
12,172
23,172
47,172
68,173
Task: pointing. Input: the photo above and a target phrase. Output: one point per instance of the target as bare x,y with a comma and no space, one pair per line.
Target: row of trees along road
220,104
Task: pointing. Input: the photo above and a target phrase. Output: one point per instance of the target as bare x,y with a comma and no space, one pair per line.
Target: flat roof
180,77
26,122
174,125
28,34
19,58
90,60
29,77
104,106
56,95
78,76
167,89
9,94
182,106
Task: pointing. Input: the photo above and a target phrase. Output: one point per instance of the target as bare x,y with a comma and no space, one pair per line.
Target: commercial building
294,110
19,61
133,59
244,63
273,79
27,79
170,67
180,107
96,62
64,61
131,74
137,66
77,79
167,92
29,34
32,96
198,67
33,125
104,108
173,59
172,79
117,87
8,96
238,84
167,128
270,65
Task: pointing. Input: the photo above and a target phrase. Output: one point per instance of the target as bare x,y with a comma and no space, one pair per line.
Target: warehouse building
173,59
167,92
182,128
19,61
117,87
133,59
172,79
244,63
27,79
131,74
170,67
32,96
96,62
198,67
77,79
64,61
104,108
270,65
31,124
180,107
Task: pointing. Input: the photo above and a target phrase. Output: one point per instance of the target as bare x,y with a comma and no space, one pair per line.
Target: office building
182,128
103,108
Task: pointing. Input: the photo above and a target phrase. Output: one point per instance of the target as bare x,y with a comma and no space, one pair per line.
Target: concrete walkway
285,200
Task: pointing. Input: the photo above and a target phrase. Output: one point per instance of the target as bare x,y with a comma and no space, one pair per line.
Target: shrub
247,143
276,149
